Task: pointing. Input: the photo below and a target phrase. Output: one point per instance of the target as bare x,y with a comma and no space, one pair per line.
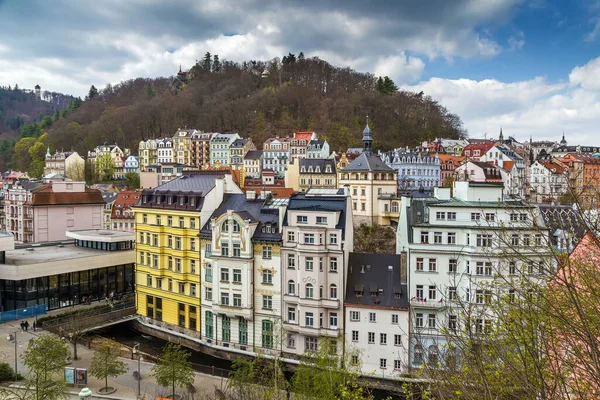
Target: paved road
126,385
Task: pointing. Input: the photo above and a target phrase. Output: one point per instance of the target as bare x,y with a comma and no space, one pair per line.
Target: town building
131,164
453,250
476,149
220,149
316,173
109,198
415,170
164,152
448,165
317,239
566,225
122,215
44,212
241,273
317,149
147,152
253,164
159,174
201,149
88,265
548,181
480,172
238,150
373,186
65,163
584,177
115,152
513,164
377,315
182,146
268,182
276,154
168,219
299,144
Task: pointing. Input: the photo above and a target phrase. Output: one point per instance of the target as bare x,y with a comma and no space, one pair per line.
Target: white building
241,299
514,166
453,250
132,164
276,155
548,181
317,238
318,149
68,164
220,148
377,316
164,151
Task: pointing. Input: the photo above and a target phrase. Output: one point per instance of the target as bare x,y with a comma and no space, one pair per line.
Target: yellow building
311,173
168,220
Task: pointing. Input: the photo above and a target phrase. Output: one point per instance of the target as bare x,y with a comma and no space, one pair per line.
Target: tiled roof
189,183
317,162
46,197
550,165
253,155
303,135
376,273
124,201
367,163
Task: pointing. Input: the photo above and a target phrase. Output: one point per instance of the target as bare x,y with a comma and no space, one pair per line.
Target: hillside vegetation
297,94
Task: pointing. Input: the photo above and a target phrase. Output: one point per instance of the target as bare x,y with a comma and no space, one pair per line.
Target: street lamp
9,338
136,350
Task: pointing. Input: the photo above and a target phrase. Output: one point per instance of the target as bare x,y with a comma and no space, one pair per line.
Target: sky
531,67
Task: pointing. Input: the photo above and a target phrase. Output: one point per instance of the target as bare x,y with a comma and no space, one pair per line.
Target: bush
6,372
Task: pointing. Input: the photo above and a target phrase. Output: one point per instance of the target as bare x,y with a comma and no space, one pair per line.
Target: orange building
448,163
584,177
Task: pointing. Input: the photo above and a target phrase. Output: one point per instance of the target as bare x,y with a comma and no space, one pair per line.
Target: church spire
48,155
367,139
501,137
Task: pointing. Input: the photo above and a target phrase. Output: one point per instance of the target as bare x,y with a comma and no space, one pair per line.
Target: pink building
47,211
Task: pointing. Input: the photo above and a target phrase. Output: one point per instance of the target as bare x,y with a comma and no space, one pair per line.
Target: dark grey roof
254,210
253,155
239,143
565,218
304,201
28,185
364,163
193,183
109,197
320,162
380,273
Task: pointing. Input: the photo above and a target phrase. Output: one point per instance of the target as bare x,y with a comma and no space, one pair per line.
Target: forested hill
256,99
21,106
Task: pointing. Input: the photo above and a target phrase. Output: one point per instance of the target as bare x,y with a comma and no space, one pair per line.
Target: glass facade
65,290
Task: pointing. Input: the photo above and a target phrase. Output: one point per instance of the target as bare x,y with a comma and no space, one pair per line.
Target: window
419,264
424,237
355,336
266,252
311,344
302,219
149,280
397,364
420,292
382,363
479,297
419,320
208,273
333,292
309,263
437,237
208,249
155,260
291,236
291,314
321,220
268,302
243,328
383,338
538,239
225,274
490,216
511,295
526,240
432,265
155,240
452,294
451,216
514,217
432,292
512,268
432,355
522,217
237,276
333,238
452,322
291,261
354,315
182,287
451,238
178,264
333,267
267,334
371,337
225,226
291,341
309,319
267,277
431,321
484,240
226,329
208,329
225,249
452,265
236,227
309,291
475,216
440,215
372,317
514,239
193,266
193,223
237,300
181,220
309,238
333,321
394,318
418,355
225,298
208,294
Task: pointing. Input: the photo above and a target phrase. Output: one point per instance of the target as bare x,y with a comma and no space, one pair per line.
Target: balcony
426,303
311,330
321,303
232,312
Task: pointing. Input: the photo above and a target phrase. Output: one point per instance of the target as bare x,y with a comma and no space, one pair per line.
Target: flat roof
101,235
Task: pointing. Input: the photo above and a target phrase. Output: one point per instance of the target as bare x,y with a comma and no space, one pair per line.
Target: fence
22,313
89,318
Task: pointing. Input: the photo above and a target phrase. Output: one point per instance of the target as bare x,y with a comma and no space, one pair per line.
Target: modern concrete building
88,264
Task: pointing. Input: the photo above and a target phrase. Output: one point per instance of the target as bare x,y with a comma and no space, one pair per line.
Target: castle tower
38,91
367,140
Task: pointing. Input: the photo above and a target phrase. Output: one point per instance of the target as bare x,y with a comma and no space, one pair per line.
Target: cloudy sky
530,66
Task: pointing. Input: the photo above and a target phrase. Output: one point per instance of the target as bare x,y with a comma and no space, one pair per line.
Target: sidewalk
125,384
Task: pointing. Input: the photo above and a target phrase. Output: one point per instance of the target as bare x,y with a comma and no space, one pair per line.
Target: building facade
276,155
201,149
220,149
318,149
65,163
548,181
253,164
116,153
415,170
131,164
238,150
317,173
122,215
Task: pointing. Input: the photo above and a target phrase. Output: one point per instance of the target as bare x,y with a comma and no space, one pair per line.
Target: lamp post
136,350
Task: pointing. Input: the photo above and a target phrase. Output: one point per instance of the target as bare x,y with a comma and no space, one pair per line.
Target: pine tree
149,91
92,93
216,65
301,56
206,63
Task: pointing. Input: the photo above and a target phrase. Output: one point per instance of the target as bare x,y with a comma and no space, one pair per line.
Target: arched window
418,355
394,206
291,287
432,355
236,226
225,226
333,292
309,291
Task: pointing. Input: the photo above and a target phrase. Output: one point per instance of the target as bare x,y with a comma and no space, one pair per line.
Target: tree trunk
74,349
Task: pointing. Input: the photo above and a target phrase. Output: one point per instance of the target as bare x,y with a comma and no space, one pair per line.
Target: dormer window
328,169
236,227
225,226
170,199
303,169
318,169
359,290
181,200
310,169
373,291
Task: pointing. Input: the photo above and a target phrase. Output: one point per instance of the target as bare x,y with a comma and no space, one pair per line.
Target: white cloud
532,107
516,41
401,68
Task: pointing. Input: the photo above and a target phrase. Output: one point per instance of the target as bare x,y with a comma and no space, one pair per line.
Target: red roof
559,169
303,135
507,165
124,201
46,197
482,147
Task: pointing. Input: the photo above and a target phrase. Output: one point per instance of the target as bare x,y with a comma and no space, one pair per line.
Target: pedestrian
22,326
26,325
34,326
